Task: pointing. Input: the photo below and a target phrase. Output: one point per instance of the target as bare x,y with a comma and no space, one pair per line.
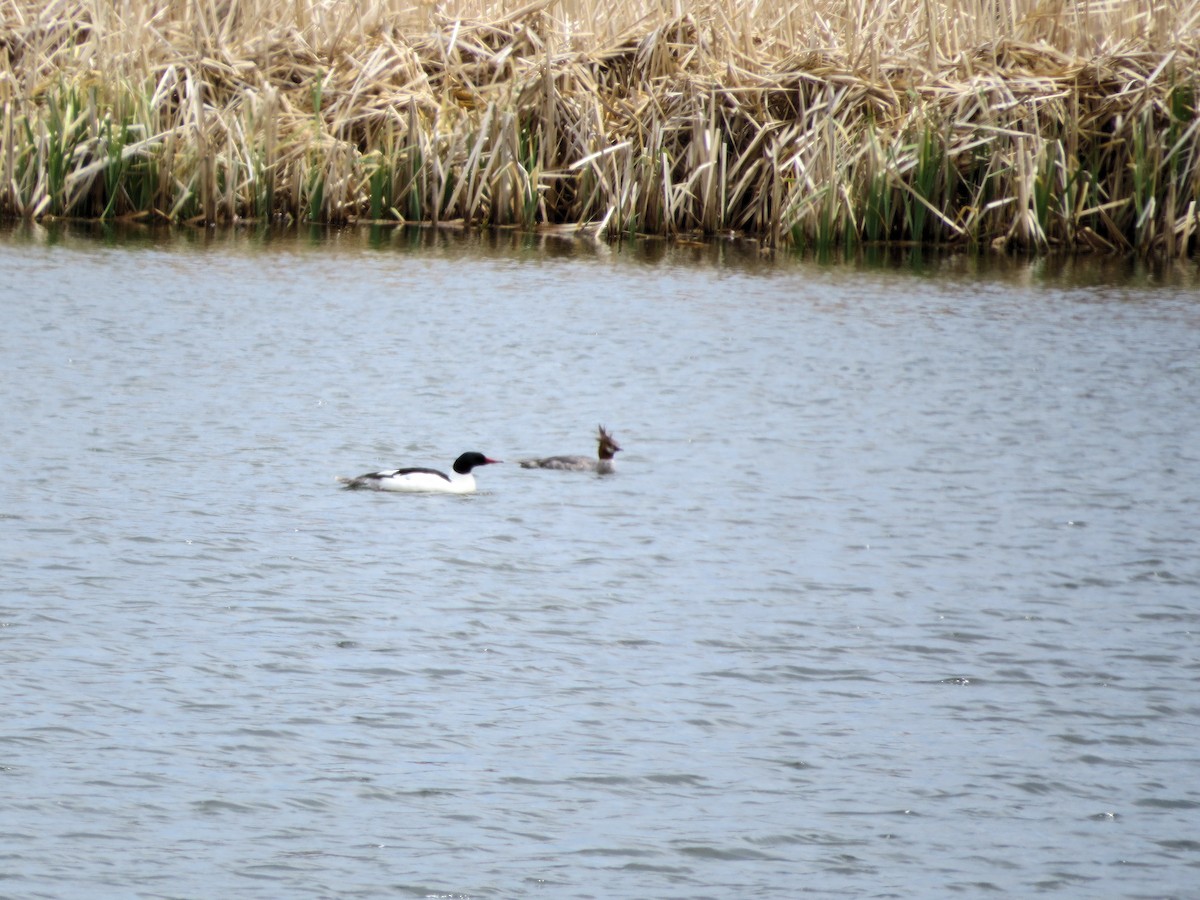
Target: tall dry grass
1033,123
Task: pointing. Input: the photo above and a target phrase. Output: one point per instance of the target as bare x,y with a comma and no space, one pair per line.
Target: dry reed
817,123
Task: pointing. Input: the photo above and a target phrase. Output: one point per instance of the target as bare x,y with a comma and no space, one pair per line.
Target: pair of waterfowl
460,480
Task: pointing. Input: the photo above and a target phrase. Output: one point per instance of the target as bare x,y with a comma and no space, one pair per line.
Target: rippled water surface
895,593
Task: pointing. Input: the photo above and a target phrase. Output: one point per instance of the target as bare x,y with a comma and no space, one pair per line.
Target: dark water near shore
895,593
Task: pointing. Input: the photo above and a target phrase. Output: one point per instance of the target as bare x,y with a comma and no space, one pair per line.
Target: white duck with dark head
421,480
602,463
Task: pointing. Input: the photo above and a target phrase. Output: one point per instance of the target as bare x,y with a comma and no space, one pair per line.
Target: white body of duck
602,463
414,480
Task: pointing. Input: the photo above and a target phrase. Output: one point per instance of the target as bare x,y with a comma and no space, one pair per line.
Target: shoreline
681,126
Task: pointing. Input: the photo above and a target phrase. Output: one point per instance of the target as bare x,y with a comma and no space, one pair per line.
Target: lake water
895,592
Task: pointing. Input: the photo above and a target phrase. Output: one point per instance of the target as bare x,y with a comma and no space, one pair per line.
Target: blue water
894,592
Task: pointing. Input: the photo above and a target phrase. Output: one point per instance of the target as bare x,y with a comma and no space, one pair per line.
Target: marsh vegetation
815,123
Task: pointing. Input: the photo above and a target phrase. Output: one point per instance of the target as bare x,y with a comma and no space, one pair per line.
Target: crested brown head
608,445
